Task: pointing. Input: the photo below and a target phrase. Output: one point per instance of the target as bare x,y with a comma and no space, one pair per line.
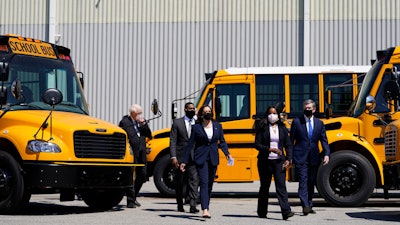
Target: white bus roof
298,69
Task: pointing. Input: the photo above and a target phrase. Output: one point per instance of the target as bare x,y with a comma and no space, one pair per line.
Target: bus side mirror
52,96
3,95
155,109
370,103
16,89
3,71
328,95
80,76
174,110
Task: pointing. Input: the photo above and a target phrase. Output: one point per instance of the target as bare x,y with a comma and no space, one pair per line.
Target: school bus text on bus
31,48
48,141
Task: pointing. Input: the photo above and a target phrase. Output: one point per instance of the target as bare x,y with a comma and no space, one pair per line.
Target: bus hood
57,121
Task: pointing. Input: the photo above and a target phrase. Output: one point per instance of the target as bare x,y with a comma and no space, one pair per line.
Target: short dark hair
187,104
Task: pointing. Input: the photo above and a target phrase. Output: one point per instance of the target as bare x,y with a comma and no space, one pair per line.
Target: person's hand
182,167
140,119
285,165
174,163
276,151
326,160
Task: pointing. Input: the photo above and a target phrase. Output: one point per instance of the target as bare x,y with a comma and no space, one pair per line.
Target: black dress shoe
312,211
306,210
137,203
286,216
131,205
180,209
194,210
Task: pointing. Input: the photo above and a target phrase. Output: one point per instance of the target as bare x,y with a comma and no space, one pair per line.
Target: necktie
310,129
189,127
137,129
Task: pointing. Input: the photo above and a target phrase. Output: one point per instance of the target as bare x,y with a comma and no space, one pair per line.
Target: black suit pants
140,179
266,169
186,183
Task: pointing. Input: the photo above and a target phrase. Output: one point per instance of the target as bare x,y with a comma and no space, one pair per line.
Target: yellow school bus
239,98
384,94
48,141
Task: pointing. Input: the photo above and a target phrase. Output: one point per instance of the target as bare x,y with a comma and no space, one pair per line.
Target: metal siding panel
137,50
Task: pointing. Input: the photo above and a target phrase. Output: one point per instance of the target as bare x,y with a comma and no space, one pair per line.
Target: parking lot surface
230,204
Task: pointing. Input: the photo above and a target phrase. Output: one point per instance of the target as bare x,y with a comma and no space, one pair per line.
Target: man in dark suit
305,133
179,136
137,129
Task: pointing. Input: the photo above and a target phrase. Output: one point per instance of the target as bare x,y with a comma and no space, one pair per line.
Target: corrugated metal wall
132,51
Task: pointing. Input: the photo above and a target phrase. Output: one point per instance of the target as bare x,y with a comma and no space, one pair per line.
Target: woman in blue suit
204,139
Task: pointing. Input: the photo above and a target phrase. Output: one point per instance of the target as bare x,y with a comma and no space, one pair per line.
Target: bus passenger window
342,92
270,91
234,102
302,87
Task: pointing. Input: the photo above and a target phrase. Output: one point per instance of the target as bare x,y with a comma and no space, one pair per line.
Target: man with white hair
137,129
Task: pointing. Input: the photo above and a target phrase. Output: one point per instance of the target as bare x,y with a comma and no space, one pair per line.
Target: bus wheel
348,179
102,199
12,196
164,176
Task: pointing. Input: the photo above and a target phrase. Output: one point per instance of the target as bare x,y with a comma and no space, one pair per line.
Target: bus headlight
43,146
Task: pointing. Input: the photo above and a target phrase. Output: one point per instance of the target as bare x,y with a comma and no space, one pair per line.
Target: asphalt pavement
231,203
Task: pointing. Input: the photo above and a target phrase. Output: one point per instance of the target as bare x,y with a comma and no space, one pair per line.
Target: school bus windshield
38,74
200,92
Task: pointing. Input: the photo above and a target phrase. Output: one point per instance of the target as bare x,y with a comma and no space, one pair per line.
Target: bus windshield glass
39,74
200,92
358,106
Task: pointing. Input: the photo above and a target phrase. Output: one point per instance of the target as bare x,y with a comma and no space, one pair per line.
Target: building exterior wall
132,51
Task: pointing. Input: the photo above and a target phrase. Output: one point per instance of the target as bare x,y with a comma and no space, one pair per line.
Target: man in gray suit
180,133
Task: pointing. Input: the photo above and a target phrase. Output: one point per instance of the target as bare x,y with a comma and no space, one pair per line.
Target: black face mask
190,114
308,113
207,116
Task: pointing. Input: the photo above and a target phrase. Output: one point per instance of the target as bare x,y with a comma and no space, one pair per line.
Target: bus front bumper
391,173
77,175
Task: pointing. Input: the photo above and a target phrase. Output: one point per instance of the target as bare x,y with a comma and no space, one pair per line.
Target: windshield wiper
73,105
23,104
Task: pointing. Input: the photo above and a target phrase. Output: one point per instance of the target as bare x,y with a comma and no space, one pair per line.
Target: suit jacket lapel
304,124
203,131
182,125
215,130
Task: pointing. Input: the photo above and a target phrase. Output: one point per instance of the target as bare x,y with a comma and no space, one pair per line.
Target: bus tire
102,199
164,176
12,194
348,179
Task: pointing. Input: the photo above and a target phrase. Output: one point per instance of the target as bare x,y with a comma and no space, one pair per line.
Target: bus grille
89,145
390,143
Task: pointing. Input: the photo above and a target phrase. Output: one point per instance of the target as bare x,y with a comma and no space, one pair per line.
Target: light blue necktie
310,129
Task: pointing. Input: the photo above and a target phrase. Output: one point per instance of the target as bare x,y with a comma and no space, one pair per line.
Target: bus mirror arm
52,97
174,109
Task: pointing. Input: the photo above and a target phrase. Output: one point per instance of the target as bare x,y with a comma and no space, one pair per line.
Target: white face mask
272,118
139,117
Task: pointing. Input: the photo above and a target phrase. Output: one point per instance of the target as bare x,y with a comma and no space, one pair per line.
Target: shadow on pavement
390,216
